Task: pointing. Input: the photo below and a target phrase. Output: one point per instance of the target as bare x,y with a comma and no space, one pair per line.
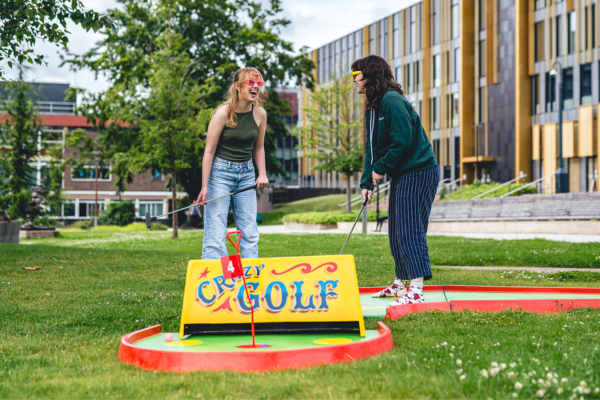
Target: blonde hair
233,95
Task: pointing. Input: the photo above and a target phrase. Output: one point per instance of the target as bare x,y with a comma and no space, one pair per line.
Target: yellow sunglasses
356,73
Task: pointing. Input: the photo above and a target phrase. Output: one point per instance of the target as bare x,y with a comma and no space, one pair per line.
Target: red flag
232,266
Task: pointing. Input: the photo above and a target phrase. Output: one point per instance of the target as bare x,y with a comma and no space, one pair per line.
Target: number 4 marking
230,267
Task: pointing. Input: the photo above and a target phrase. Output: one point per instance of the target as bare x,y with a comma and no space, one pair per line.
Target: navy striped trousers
411,197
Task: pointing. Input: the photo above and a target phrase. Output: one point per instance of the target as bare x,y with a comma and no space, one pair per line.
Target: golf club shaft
206,202
359,214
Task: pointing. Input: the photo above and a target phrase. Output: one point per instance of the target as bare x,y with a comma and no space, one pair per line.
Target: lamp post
561,175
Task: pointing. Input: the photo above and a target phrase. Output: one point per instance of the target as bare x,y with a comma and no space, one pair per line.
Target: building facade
480,75
57,118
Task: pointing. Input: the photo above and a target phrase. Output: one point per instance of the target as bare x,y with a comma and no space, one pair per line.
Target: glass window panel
397,38
455,21
535,95
69,209
571,29
550,93
437,70
567,83
586,84
456,64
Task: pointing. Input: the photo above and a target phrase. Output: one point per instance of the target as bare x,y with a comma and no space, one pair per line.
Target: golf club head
148,220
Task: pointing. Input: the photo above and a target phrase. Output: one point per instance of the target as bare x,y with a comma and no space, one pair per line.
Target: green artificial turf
61,325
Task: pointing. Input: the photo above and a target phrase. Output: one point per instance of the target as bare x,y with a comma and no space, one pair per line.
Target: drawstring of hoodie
372,126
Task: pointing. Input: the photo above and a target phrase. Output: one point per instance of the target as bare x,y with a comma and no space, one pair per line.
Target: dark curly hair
378,75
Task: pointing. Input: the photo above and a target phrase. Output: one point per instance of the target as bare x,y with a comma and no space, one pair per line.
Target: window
435,26
436,150
558,37
152,207
539,41
413,29
88,172
383,38
593,25
68,209
455,10
372,37
407,77
550,93
481,105
87,208
437,70
455,119
535,95
585,78
456,69
567,82
350,51
482,58
417,77
157,176
397,38
358,42
539,4
435,121
571,28
592,174
399,76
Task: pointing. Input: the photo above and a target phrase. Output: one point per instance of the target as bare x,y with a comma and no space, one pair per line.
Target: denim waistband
230,164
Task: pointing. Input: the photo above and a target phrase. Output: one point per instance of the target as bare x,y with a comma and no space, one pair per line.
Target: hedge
329,218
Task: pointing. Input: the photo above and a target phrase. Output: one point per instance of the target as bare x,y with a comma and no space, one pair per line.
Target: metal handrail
524,186
501,186
358,198
451,183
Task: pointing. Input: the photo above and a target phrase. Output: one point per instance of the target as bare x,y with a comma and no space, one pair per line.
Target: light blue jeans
226,177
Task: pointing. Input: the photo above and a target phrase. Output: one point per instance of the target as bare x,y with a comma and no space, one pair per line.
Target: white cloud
313,24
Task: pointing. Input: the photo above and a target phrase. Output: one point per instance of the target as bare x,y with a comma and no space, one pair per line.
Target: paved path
528,269
497,236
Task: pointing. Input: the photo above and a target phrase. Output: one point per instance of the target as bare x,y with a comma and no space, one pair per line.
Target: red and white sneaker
395,290
409,298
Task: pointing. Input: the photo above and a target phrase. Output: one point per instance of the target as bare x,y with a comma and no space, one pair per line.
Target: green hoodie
396,142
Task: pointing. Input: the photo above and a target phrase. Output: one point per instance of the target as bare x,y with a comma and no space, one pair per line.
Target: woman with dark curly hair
397,145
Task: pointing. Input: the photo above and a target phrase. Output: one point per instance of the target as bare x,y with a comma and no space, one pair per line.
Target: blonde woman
235,134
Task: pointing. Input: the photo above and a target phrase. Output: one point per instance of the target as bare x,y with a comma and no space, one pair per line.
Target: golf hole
254,346
333,341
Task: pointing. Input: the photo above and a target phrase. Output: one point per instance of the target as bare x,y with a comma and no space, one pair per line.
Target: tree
333,134
18,147
218,35
171,124
23,22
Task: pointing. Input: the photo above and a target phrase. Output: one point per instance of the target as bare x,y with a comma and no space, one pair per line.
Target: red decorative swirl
307,268
224,307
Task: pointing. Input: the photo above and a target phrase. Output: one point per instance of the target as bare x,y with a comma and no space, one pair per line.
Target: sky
313,24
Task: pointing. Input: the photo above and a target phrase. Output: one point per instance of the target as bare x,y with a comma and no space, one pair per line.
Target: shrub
118,213
329,218
83,224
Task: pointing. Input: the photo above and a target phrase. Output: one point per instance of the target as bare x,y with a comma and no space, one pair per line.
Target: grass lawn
61,325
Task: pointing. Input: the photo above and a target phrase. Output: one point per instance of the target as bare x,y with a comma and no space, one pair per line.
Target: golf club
359,213
150,219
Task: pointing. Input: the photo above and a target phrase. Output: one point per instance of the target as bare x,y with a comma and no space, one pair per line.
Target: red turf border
250,361
428,288
521,289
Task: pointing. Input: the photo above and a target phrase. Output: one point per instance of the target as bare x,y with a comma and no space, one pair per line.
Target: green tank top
237,144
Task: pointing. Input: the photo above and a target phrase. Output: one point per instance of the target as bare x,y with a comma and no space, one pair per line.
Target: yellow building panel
522,89
536,142
366,41
467,86
574,175
586,131
549,152
526,10
569,149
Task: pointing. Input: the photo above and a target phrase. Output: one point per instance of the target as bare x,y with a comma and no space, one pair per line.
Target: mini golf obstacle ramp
301,311
147,349
484,298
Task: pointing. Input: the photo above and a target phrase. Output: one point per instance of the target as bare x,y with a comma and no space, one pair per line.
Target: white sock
399,282
416,287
